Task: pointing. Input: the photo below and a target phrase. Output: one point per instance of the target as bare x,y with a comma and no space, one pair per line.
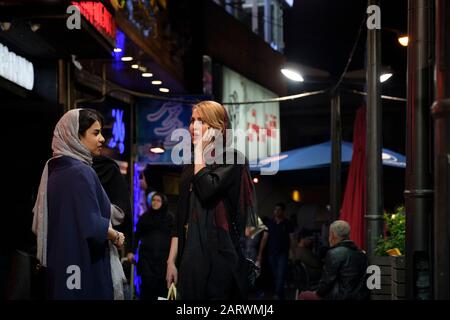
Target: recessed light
147,74
135,66
117,50
157,150
126,58
164,90
157,82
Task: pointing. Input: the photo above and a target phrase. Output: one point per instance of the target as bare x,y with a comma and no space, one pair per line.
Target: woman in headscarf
153,234
216,197
72,214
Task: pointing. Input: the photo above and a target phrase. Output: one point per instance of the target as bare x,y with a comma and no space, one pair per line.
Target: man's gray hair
341,229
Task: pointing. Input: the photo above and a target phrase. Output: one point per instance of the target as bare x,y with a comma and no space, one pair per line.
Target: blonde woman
215,198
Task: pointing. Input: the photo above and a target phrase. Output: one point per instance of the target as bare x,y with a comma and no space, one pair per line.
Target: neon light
139,207
120,43
118,131
97,14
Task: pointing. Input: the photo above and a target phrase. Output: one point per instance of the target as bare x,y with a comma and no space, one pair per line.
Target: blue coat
78,221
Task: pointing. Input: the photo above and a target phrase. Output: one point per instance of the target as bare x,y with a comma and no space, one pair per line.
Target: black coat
208,262
116,188
344,273
153,230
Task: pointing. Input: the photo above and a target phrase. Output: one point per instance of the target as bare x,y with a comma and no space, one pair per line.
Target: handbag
252,271
171,293
248,270
26,279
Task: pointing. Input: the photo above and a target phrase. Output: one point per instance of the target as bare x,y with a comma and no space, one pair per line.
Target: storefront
36,70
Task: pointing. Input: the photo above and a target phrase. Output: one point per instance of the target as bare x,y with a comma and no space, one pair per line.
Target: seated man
344,273
304,253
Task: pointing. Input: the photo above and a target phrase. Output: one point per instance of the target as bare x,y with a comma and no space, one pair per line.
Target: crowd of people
207,248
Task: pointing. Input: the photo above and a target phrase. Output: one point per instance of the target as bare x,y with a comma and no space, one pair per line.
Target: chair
301,277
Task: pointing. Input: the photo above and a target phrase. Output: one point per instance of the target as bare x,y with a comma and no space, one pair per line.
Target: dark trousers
278,264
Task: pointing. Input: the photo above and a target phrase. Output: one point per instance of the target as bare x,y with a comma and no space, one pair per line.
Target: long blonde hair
213,114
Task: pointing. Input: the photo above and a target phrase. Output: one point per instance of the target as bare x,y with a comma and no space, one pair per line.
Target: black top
153,231
344,274
279,240
116,188
208,257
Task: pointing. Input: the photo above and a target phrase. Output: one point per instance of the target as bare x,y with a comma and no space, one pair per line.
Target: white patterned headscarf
66,142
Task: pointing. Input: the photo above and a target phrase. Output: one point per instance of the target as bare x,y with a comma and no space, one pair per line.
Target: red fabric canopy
354,202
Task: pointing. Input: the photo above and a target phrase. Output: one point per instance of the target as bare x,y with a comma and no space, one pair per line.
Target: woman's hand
130,257
203,147
172,274
208,136
119,240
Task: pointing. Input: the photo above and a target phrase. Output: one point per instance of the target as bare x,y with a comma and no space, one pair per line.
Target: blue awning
319,155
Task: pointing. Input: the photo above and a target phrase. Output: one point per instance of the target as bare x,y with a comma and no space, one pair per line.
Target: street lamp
403,40
385,77
298,73
359,76
292,74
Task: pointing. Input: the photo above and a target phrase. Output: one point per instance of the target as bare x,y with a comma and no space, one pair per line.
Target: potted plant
389,255
393,243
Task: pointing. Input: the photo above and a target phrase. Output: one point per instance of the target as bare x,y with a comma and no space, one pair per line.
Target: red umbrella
354,202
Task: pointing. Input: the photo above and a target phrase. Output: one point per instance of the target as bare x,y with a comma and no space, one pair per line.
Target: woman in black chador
153,230
216,196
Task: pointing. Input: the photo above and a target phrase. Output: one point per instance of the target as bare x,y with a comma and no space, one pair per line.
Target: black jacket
344,273
116,188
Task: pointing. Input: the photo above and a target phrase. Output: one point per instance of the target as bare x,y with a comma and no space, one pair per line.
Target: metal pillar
441,115
335,170
418,180
374,218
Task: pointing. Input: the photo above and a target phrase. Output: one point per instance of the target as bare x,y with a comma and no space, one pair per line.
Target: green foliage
395,238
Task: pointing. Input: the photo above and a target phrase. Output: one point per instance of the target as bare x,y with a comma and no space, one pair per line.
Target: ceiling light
403,40
295,195
157,82
147,74
385,76
117,50
255,180
164,90
157,150
5,26
292,75
135,66
157,147
126,58
35,27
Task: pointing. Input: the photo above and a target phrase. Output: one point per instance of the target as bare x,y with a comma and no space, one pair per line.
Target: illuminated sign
16,68
290,3
118,131
98,16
